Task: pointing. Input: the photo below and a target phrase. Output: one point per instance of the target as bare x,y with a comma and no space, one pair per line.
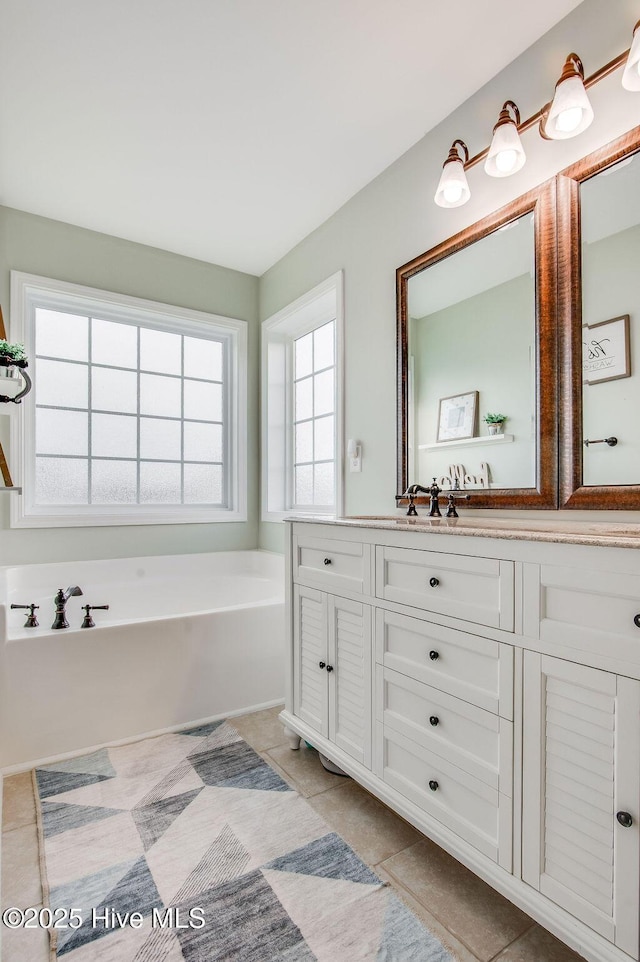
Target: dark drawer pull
327,561
434,582
433,785
434,655
434,720
329,667
322,664
625,819
636,621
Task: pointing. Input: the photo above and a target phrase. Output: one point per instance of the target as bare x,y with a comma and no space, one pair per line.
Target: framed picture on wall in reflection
458,417
605,350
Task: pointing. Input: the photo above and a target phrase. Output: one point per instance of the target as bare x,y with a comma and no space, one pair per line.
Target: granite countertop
604,533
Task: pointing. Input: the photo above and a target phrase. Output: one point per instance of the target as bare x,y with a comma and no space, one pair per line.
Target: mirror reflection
471,321
610,225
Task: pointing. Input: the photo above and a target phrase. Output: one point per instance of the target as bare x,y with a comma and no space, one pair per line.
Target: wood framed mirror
599,304
476,336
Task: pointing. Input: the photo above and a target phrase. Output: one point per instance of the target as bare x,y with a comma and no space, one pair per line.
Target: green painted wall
64,252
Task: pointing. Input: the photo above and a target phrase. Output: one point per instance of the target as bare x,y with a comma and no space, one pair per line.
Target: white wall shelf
14,488
469,442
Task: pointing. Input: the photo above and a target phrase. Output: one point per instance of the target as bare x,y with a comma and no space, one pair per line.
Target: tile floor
476,923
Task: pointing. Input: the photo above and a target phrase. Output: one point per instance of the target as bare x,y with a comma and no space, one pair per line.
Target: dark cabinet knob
636,621
434,655
327,561
434,582
434,720
329,667
625,819
433,785
322,664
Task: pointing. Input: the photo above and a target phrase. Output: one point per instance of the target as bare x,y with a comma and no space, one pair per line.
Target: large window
301,405
137,413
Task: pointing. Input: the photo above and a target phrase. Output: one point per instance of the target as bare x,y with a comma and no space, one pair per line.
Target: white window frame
29,291
317,307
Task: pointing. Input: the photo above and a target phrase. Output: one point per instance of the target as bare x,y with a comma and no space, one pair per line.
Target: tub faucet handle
32,621
88,621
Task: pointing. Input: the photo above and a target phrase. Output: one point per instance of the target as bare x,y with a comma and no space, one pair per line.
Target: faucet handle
32,621
88,621
451,503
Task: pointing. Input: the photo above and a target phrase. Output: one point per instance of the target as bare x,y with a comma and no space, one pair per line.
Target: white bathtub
186,638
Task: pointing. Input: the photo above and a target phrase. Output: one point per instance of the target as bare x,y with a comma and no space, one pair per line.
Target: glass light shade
453,189
631,74
571,112
506,153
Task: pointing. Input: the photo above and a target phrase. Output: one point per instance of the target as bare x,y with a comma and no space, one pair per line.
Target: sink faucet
60,601
434,505
433,491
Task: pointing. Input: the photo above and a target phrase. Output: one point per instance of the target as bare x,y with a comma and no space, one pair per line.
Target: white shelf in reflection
468,442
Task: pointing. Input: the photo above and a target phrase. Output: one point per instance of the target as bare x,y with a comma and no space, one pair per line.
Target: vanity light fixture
506,153
570,111
631,75
453,189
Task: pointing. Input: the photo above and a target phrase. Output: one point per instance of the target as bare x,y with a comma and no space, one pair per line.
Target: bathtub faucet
60,601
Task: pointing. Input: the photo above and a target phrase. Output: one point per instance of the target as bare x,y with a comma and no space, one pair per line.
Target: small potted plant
495,422
13,361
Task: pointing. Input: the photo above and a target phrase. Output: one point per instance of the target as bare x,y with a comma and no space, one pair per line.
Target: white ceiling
227,130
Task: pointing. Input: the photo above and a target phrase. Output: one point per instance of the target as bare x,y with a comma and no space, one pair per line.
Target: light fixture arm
505,117
454,154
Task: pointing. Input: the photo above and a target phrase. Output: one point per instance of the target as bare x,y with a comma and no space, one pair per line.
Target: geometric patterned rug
217,855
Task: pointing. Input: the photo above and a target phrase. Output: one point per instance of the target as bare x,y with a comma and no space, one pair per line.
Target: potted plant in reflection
495,423
13,361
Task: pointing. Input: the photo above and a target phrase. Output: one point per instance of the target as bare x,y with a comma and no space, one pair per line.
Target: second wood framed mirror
599,303
476,339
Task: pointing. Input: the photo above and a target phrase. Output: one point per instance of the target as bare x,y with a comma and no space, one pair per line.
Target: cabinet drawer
332,564
466,805
477,670
589,611
473,589
475,740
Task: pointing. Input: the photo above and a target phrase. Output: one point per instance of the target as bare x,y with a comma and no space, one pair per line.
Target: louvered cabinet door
350,655
581,768
310,652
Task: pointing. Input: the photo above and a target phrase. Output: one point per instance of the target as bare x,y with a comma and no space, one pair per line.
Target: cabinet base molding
570,931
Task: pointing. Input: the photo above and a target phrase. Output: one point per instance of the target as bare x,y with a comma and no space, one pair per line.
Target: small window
314,455
136,409
301,405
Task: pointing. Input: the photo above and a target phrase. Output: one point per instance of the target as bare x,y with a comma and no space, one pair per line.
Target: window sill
117,518
277,516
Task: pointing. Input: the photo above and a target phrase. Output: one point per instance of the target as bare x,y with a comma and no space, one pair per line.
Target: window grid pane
313,418
115,427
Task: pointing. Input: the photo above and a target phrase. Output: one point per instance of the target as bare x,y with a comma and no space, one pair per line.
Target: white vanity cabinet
485,683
